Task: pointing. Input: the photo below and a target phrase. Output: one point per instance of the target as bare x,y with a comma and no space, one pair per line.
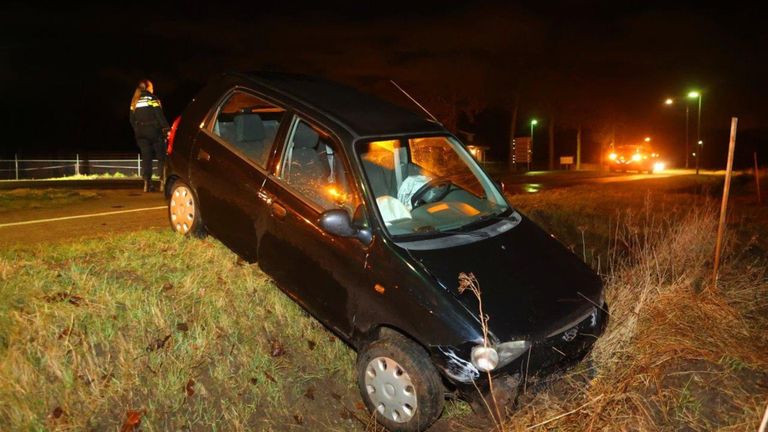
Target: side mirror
338,223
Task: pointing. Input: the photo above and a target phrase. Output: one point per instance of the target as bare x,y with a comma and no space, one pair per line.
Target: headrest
249,127
305,137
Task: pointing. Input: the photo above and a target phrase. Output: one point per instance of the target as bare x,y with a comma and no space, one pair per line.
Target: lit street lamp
534,122
699,142
670,102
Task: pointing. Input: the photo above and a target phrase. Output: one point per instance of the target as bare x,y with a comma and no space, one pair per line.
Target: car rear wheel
183,211
399,384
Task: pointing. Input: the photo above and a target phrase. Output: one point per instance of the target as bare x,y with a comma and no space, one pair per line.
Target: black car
365,214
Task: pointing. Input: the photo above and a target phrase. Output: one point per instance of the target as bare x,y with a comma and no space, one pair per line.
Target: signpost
521,147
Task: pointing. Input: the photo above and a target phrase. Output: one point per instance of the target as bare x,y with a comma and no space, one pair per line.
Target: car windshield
428,186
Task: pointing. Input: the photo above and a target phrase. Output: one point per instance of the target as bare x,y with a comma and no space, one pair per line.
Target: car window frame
206,126
339,152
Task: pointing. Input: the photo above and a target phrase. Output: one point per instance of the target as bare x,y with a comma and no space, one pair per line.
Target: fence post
77,163
138,165
16,163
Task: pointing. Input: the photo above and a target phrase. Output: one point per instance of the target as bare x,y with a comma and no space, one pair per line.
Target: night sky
68,72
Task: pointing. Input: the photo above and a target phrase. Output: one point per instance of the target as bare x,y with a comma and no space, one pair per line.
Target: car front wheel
183,211
399,384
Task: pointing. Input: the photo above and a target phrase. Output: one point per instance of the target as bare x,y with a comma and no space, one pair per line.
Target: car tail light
172,135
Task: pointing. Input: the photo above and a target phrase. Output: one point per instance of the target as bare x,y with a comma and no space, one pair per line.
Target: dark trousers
152,145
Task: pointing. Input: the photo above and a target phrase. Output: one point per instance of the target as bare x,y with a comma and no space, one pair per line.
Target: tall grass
678,353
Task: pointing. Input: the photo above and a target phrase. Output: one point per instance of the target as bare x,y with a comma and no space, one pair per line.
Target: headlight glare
485,358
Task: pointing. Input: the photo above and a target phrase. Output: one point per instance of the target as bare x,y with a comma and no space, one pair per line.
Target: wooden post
724,205
77,163
757,179
578,148
16,163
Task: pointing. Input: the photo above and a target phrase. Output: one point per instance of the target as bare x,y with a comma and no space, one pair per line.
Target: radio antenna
416,102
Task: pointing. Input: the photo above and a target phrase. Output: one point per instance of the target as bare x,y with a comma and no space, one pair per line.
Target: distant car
365,214
640,158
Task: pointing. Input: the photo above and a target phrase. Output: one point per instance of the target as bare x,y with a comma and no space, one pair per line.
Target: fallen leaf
310,393
157,344
311,344
62,296
166,287
182,326
360,406
276,348
132,421
270,377
299,419
57,412
190,387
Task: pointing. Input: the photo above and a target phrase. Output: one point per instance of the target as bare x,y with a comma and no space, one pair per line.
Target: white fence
22,169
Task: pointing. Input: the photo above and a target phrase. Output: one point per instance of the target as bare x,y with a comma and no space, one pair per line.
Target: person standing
150,128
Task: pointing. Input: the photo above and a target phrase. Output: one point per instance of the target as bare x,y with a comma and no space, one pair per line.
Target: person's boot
147,186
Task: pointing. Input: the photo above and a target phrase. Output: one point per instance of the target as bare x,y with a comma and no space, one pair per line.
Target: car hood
531,285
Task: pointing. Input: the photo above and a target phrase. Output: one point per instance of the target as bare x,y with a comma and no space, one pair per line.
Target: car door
230,155
317,269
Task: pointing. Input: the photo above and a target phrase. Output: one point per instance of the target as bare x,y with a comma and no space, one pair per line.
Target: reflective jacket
148,113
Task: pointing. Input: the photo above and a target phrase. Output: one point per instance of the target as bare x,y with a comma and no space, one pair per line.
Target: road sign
521,147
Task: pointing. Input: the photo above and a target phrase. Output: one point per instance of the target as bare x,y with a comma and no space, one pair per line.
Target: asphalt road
111,211
121,210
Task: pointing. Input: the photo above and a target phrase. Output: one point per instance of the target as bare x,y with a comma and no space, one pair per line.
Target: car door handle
277,210
203,155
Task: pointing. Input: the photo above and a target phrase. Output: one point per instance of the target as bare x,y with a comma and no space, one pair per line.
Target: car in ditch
365,214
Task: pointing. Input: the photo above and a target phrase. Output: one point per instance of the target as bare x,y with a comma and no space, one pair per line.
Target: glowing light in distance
612,156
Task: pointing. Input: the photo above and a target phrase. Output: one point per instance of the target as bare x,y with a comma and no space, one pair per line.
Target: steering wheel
432,191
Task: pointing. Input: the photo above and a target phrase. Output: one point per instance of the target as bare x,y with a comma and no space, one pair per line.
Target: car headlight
612,156
509,351
636,157
489,358
484,358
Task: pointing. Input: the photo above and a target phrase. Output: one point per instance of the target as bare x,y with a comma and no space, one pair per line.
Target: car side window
313,166
249,124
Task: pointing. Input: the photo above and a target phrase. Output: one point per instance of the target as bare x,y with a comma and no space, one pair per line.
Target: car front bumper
560,350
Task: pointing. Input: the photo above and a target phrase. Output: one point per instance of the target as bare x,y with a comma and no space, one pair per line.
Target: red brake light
172,135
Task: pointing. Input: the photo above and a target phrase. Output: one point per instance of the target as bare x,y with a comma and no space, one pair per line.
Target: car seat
250,136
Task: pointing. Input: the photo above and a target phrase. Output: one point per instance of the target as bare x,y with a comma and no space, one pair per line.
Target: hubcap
182,208
390,389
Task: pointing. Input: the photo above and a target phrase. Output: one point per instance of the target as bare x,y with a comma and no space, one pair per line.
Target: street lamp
647,139
697,95
534,122
669,102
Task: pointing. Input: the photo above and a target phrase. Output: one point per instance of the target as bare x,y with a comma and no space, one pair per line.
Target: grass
171,328
177,333
24,199
679,353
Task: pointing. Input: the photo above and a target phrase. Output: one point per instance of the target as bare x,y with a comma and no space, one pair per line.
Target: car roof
359,113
